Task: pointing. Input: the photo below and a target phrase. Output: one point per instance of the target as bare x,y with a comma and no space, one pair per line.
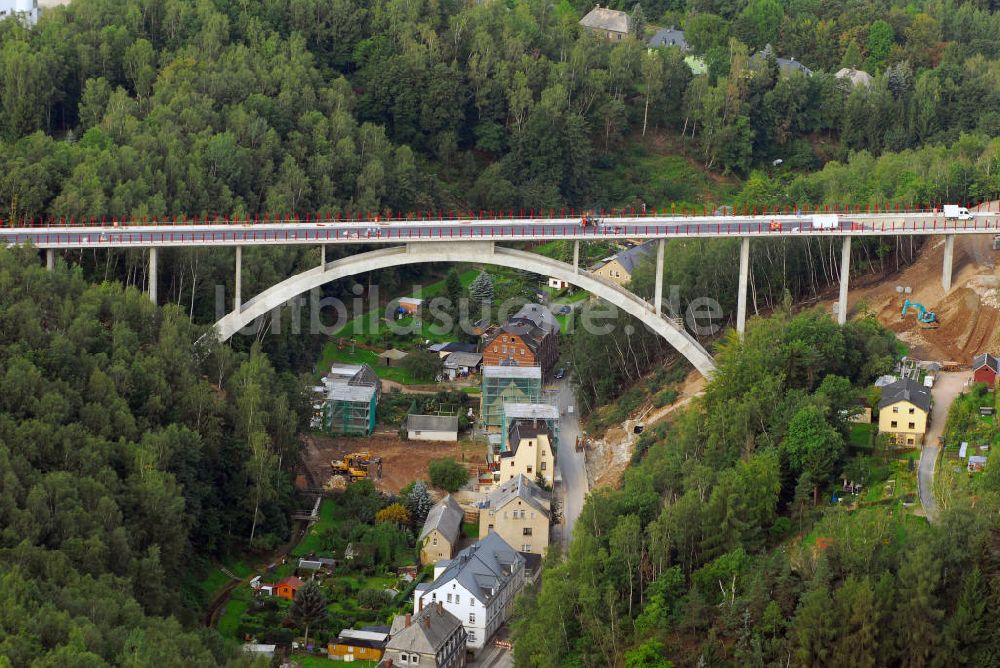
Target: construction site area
398,462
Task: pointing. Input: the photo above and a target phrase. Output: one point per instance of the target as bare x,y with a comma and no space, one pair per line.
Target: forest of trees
695,557
127,455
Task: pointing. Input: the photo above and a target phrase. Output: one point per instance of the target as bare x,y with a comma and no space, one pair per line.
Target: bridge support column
658,298
949,254
322,256
152,274
845,274
741,297
238,291
576,256
50,259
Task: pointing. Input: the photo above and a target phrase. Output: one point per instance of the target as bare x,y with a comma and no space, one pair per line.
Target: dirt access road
402,461
947,386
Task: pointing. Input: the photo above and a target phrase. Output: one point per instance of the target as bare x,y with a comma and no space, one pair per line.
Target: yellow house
529,452
441,531
621,267
519,511
903,412
367,644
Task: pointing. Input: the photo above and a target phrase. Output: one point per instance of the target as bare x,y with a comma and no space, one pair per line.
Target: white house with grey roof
611,24
478,586
433,637
442,529
432,427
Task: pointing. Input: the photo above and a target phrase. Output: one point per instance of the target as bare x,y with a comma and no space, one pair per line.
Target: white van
825,221
955,212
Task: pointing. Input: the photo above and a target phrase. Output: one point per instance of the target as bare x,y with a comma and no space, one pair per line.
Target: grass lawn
861,436
470,529
331,354
311,541
322,662
229,621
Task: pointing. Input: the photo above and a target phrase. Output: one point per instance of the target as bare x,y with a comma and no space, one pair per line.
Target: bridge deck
328,231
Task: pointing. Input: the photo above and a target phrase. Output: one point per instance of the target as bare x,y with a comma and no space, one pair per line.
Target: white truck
825,221
956,212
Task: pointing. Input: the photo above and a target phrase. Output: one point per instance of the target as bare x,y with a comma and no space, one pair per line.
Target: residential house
24,10
432,427
558,283
903,412
478,586
286,587
461,364
529,338
610,24
620,268
431,638
985,368
410,305
786,66
520,512
367,644
667,37
441,531
855,77
530,451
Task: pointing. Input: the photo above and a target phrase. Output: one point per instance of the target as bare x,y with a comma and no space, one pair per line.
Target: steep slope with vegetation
121,465
708,554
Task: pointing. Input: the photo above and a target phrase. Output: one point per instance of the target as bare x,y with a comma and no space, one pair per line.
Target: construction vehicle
928,319
357,466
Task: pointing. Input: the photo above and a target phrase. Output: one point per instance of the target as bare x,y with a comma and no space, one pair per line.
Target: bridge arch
469,252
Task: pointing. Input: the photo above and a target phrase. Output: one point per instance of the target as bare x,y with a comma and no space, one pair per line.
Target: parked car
560,374
564,309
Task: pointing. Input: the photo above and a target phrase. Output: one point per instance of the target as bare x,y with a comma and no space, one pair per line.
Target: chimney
427,621
409,619
440,609
421,604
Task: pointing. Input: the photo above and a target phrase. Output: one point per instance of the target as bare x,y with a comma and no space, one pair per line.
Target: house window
529,469
911,410
494,348
505,339
913,425
489,528
472,618
892,424
526,547
895,409
472,636
542,466
449,598
526,531
435,541
505,349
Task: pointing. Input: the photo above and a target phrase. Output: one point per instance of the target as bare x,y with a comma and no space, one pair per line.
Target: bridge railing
389,217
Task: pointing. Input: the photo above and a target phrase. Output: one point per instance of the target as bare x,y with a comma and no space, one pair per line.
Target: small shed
462,364
432,427
391,357
558,283
985,368
962,450
976,463
411,305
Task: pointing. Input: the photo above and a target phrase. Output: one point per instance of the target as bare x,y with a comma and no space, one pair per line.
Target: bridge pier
50,259
741,297
576,256
238,290
658,298
152,274
845,274
949,254
322,255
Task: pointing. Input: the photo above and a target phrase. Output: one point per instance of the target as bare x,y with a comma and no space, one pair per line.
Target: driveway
571,464
947,386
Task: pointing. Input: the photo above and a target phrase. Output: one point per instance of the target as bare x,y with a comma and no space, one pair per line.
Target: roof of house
483,568
669,37
393,354
601,18
427,632
362,638
906,389
856,77
538,315
413,301
446,516
533,323
521,430
630,258
985,359
432,422
458,347
786,65
358,375
531,411
456,360
504,371
351,393
291,581
521,487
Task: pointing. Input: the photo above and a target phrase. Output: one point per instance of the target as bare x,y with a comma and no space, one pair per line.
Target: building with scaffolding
353,391
507,384
527,445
